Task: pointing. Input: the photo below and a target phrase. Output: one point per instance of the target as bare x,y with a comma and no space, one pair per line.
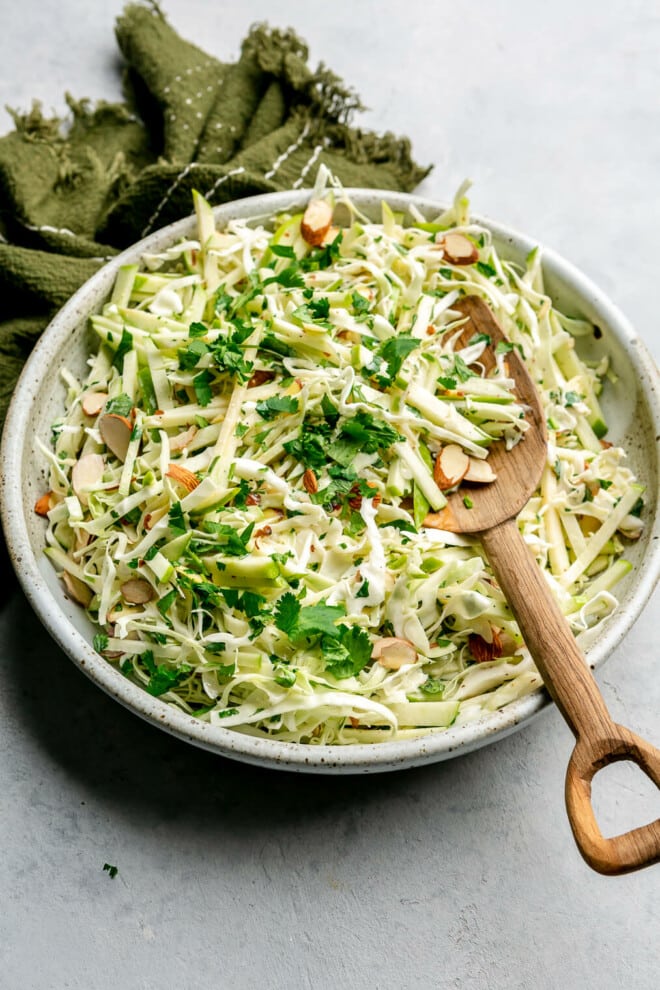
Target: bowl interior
629,403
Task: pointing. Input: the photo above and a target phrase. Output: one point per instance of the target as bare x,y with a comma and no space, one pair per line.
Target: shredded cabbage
240,486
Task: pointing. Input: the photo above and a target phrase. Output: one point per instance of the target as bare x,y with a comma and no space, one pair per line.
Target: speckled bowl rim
359,758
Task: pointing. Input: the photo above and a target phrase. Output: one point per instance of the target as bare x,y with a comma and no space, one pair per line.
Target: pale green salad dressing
275,411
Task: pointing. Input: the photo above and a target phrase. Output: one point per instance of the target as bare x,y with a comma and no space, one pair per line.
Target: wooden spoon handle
621,853
567,677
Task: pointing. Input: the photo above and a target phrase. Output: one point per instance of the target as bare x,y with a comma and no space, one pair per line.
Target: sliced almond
459,249
182,440
93,402
480,472
87,473
76,589
330,235
439,520
152,518
316,222
43,505
393,652
451,466
481,650
183,476
116,432
310,482
137,591
260,377
260,534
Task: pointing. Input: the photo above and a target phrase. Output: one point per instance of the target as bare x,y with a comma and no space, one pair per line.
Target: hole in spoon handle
621,853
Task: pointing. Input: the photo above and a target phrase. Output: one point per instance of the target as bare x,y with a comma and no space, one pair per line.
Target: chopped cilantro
100,642
176,519
228,540
166,601
363,590
270,408
202,386
485,269
197,330
111,870
121,405
393,352
504,347
228,353
347,652
288,278
303,623
189,357
282,251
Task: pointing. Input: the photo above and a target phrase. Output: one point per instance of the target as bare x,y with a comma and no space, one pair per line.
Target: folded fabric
73,194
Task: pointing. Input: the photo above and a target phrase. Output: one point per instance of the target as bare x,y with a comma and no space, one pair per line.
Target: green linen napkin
72,195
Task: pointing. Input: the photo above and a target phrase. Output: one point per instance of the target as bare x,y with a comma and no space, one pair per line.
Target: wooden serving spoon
492,517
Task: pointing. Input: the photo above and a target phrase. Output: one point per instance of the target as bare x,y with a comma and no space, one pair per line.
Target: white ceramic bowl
631,408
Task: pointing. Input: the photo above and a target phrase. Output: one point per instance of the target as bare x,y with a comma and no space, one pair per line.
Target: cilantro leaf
347,654
111,870
202,386
121,405
461,369
288,278
165,602
228,354
287,612
315,311
189,357
176,519
198,329
282,251
163,677
100,642
318,620
504,347
270,408
393,351
485,269
228,540
363,591
572,398
322,257
449,384
363,432
310,446
360,304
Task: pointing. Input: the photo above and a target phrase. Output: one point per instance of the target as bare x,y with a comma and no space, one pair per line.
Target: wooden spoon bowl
566,675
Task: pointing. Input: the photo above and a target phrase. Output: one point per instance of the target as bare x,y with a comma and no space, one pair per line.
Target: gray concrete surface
461,875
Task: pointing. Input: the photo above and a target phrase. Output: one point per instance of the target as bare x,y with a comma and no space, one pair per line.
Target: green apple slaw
244,491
